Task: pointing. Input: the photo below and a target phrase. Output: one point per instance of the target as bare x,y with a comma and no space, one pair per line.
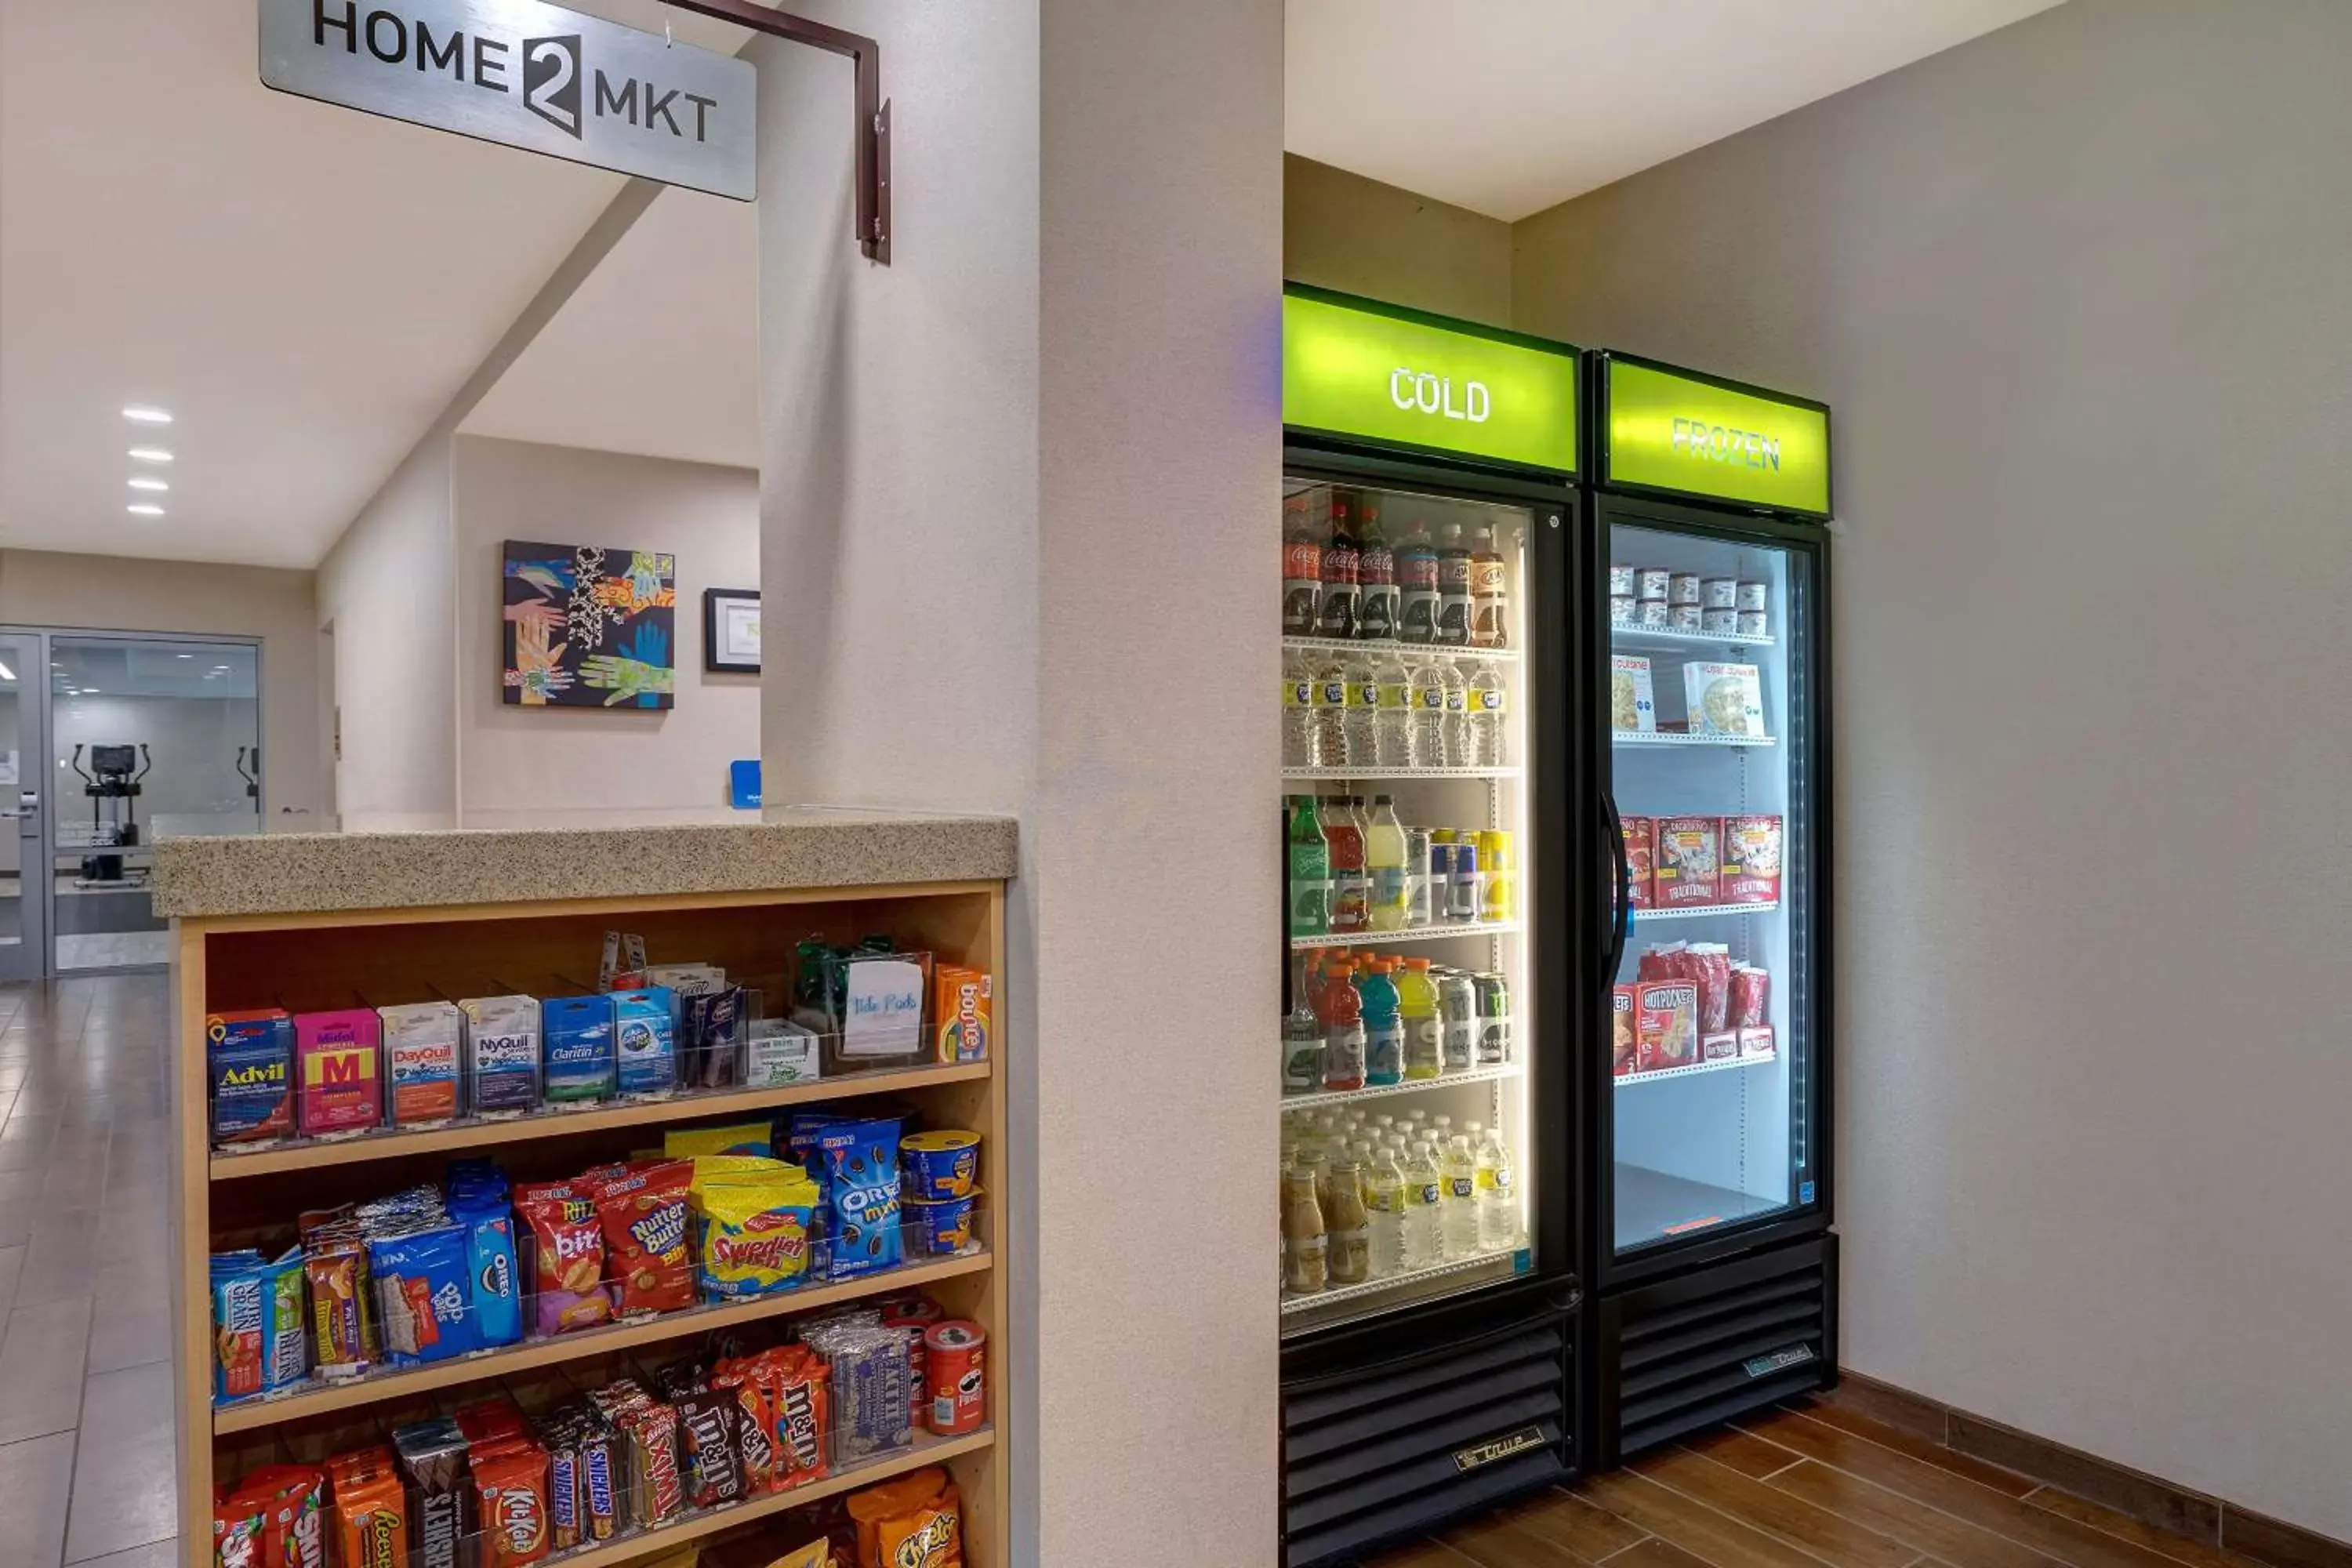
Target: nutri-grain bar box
1689,869
1751,860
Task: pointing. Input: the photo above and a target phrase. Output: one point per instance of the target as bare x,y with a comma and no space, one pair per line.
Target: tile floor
85,1312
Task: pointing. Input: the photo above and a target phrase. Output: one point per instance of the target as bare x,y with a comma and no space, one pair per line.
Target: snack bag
754,1224
423,1306
339,1061
568,1251
238,1524
371,1510
501,1055
959,1008
250,1059
420,1058
862,1178
644,1042
753,1138
577,1048
511,1503
709,1455
817,1553
803,1413
293,1500
912,1523
753,1387
1751,990
649,1255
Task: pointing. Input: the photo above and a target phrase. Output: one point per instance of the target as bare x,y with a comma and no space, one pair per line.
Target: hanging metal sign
526,74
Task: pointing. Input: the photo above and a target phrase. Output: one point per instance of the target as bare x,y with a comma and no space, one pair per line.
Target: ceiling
1509,107
303,287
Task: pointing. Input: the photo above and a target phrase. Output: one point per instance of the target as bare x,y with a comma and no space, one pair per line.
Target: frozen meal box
1722,1046
1751,860
1641,857
1688,869
1665,1024
1632,704
1756,1042
1621,1028
1723,698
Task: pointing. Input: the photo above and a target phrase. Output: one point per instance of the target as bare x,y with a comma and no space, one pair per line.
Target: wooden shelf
470,1136
506,1359
927,1450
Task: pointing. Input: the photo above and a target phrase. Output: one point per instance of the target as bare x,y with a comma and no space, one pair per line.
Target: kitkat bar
1751,860
1689,862
1641,855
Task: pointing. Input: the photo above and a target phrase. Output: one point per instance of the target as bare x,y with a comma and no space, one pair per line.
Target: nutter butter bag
649,1256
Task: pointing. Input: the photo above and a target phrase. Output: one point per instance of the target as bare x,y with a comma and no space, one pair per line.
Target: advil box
250,1058
959,1010
339,1060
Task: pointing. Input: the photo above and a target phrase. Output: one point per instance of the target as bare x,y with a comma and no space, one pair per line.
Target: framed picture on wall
589,627
730,631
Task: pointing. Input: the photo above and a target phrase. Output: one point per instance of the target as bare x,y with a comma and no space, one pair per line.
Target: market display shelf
315,1399
1378,773
1410,1085
1409,934
1684,738
1729,1064
1624,631
1409,651
1696,912
1301,1303
392,1143
644,1544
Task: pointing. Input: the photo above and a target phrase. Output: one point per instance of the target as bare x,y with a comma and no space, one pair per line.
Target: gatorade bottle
1385,862
1383,1027
1343,835
1310,870
1343,1035
1425,1054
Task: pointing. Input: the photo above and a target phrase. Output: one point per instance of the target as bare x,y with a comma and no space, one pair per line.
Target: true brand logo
1487,1453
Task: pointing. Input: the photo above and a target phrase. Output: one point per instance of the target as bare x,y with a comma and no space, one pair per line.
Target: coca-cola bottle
1302,567
1342,592
1376,618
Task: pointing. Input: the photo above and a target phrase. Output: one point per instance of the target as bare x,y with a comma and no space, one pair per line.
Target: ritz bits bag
913,1522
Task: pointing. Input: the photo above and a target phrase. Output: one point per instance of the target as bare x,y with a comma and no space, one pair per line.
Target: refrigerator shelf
1409,934
1622,631
1682,738
1410,1086
1697,912
1389,1282
1729,1065
1343,775
1410,652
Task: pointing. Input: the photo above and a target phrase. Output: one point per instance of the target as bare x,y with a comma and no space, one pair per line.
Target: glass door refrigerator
1428,1292
1715,1269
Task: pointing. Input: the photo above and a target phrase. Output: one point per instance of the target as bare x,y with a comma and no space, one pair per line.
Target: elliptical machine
112,785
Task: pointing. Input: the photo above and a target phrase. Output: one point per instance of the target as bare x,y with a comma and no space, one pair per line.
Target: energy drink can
1494,1013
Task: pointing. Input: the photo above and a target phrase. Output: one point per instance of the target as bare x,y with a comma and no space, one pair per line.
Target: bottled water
1363,712
1384,1200
1298,711
1423,1195
1458,1214
1458,753
1429,737
1498,1211
1486,727
1392,725
1331,676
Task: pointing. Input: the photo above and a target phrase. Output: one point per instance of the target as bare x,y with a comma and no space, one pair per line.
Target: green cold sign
1675,432
1351,368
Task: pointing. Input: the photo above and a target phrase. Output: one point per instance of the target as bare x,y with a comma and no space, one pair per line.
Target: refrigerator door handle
1620,920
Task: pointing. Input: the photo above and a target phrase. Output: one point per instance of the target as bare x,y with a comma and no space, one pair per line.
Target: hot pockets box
338,1060
577,1032
250,1059
1666,1024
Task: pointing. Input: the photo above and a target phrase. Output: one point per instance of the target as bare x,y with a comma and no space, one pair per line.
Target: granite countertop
297,873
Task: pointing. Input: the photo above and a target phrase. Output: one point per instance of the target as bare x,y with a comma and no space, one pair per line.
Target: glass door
1713,739
23,947
1407,1040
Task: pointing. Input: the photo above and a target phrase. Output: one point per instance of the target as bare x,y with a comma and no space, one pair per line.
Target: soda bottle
1487,617
1493,1001
1498,1211
1310,870
1385,863
1341,596
1363,717
1343,835
1453,588
1343,1037
1457,1020
1376,613
1298,711
1458,1214
1423,1198
1416,573
1429,716
1302,567
1461,751
1425,1048
1486,716
1383,1027
1384,1200
1393,726
1302,1036
1330,673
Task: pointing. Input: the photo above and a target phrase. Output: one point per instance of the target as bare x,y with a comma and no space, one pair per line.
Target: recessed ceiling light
149,454
184,656
144,414
142,508
149,485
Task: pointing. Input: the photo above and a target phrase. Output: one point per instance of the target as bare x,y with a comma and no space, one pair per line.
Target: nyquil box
501,1054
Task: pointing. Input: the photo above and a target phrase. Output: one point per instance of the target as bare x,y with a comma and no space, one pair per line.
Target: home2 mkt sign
1671,431
1355,369
526,74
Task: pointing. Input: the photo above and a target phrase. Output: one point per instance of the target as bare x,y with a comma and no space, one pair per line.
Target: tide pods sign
1674,430
1377,372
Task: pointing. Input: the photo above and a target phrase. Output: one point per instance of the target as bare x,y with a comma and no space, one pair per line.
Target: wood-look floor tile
1422,1555
1695,1528
1939,1535
2100,1517
1550,1528
2160,1503
128,1500
1835,1540
1743,1451
1652,1553
41,1367
2046,1532
2007,1482
35,1481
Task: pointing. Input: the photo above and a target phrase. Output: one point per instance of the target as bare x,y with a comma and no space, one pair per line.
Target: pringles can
957,1352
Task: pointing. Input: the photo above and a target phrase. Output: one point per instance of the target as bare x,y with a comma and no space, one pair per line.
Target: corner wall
1341,230
2075,292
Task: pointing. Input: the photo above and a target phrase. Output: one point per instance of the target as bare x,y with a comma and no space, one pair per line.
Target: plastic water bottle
1423,1198
1486,727
1459,751
1362,716
1498,1210
1383,1027
1392,725
1458,1214
1298,711
1331,674
1429,736
1384,1201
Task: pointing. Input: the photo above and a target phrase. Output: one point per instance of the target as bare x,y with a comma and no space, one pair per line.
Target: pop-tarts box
338,1060
576,1033
250,1059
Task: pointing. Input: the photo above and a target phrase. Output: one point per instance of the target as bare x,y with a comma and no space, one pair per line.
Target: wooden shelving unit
385,956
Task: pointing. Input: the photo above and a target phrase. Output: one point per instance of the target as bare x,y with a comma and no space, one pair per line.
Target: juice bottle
1304,1249
1346,1229
1310,870
1383,1025
1384,861
1343,1035
1425,1054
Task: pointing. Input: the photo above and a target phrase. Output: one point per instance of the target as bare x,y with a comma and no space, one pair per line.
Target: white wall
2077,294
1341,230
518,765
1017,490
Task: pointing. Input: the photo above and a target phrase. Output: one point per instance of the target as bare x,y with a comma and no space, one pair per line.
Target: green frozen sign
1374,372
1669,430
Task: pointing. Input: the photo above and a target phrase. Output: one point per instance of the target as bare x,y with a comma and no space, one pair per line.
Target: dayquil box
339,1056
960,1002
